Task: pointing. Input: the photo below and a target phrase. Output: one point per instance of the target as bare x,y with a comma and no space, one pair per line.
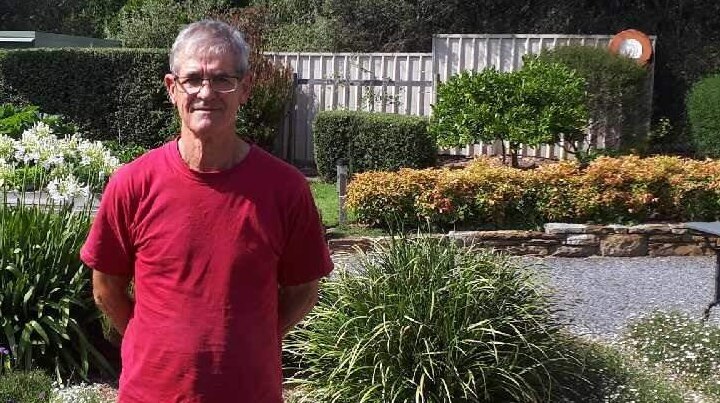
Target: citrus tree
532,106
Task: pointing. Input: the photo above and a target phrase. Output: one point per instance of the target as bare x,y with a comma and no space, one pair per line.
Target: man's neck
211,154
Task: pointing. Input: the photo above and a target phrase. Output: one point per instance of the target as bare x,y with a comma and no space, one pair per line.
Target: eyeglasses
192,85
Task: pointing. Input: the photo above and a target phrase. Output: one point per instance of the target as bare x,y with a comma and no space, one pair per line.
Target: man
223,241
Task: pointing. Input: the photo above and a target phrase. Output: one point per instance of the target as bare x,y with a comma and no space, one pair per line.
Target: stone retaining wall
580,240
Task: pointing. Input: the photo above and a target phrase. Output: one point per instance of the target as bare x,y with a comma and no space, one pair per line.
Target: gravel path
599,296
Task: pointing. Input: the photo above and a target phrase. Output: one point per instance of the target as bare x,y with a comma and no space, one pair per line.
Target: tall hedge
703,107
110,93
371,141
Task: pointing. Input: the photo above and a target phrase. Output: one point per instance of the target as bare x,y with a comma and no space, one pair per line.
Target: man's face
209,112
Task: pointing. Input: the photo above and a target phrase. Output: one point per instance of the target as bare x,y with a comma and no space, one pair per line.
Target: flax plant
45,301
424,320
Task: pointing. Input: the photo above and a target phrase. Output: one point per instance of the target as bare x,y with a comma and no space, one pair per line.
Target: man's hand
111,296
294,303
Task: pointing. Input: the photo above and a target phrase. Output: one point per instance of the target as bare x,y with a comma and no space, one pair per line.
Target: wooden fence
404,83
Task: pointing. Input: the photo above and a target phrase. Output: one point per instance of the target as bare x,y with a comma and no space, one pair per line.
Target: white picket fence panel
404,83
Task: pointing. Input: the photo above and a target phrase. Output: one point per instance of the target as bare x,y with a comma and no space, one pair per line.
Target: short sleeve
109,247
305,256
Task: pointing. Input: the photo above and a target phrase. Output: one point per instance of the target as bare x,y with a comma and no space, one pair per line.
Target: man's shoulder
141,167
275,169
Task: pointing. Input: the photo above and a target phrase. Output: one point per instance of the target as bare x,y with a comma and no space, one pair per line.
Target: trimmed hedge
118,94
703,107
486,195
110,93
371,141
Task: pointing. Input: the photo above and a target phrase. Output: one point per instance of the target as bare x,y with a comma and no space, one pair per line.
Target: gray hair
213,37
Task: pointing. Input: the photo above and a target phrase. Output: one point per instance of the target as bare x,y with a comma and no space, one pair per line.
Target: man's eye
222,80
193,81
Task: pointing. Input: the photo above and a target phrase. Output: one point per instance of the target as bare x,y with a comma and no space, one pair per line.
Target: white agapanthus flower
38,145
65,190
6,171
7,147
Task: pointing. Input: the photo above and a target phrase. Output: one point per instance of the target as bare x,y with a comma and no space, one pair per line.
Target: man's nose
205,89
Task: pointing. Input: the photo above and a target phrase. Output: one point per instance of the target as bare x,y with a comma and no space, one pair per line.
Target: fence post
342,177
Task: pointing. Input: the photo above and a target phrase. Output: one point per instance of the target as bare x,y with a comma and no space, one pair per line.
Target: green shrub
703,109
531,106
617,88
371,141
425,320
25,387
260,118
46,310
110,93
14,120
155,23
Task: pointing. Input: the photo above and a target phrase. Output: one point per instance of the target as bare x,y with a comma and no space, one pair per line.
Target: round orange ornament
633,44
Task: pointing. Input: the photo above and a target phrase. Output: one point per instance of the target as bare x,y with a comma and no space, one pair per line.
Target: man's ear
169,82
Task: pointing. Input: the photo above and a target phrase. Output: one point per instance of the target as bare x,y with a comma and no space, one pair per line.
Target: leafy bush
371,141
424,320
25,387
109,93
617,88
260,118
703,108
155,23
46,308
14,120
609,190
532,106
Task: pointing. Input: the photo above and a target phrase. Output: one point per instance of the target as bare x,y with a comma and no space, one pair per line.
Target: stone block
543,242
528,250
671,238
674,249
582,240
575,251
554,228
624,245
617,229
650,229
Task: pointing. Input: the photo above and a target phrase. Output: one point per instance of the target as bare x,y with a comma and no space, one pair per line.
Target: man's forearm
112,298
117,307
294,303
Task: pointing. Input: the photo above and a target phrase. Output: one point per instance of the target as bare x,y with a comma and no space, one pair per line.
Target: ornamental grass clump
425,320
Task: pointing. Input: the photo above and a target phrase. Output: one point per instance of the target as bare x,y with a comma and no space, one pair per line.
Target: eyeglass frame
177,78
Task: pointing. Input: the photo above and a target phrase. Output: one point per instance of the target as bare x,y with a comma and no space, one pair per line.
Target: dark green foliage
371,141
617,94
110,93
74,17
155,23
703,108
25,387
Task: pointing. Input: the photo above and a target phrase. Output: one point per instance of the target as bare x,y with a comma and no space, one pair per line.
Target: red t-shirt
208,251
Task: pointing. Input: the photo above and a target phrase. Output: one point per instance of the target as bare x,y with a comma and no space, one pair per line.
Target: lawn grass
326,200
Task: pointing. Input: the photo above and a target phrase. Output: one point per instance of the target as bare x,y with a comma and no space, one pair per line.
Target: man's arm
111,296
294,303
